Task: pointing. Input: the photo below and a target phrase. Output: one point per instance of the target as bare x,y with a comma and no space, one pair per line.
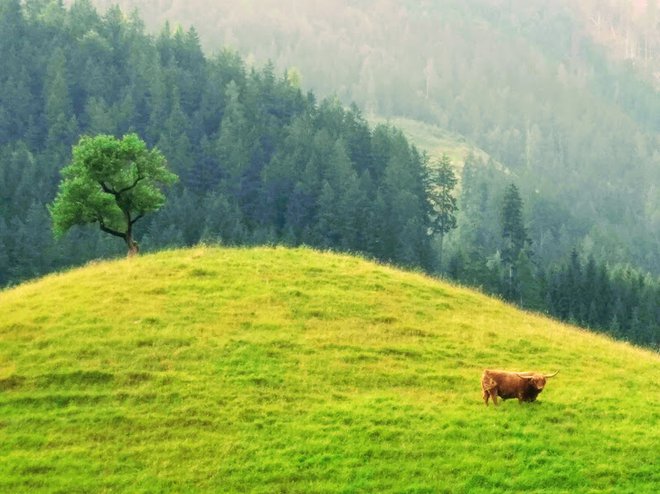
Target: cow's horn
552,375
520,374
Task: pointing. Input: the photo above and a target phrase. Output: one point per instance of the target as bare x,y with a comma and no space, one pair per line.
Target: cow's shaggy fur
525,386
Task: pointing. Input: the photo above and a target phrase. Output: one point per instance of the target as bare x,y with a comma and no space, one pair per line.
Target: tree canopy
112,182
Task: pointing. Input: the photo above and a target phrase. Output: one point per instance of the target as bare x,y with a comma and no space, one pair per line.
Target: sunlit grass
276,370
435,140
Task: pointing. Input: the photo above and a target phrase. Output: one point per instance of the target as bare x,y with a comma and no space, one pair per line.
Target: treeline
500,244
259,161
621,301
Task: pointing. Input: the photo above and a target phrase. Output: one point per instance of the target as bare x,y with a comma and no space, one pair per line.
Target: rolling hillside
277,370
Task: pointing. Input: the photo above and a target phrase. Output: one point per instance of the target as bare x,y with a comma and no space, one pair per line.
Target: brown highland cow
525,386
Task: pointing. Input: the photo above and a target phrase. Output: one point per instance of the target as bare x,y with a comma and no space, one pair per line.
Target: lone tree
111,182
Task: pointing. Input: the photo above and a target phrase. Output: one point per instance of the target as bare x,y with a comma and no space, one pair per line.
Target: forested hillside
262,161
629,30
522,79
258,160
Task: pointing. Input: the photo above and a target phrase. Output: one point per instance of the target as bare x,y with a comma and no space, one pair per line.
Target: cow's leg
493,395
485,396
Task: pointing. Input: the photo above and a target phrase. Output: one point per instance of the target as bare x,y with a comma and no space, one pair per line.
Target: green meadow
436,141
289,370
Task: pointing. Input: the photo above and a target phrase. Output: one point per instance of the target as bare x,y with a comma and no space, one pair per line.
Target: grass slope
276,370
434,140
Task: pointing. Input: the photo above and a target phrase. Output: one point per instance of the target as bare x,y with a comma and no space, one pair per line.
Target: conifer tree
234,139
514,237
440,181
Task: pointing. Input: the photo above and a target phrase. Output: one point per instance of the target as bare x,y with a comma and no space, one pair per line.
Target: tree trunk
133,247
442,236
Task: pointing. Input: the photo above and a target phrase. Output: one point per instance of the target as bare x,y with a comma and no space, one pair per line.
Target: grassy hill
277,370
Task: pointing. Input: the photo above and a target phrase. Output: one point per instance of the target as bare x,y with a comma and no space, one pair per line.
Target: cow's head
538,380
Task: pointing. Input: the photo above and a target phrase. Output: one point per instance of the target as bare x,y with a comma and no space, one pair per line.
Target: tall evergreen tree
440,182
514,237
62,123
233,146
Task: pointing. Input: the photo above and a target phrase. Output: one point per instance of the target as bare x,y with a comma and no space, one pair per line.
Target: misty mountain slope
520,79
629,30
